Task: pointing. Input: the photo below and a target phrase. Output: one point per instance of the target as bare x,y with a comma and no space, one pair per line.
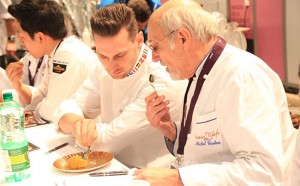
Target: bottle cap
7,96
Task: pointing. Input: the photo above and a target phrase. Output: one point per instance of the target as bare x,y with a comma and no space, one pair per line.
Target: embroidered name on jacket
208,138
59,68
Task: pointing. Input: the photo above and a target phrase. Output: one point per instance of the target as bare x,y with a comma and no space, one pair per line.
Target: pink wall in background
269,34
267,30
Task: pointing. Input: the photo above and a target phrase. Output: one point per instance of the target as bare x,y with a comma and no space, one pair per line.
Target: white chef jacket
31,64
294,178
241,131
125,130
70,63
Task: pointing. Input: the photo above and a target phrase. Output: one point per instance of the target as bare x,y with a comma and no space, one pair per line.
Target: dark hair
40,16
141,9
110,19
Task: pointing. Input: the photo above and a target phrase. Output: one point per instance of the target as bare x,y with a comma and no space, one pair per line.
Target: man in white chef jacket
116,91
240,130
41,30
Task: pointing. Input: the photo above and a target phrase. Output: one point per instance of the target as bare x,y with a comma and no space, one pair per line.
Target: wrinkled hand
14,72
157,112
159,176
157,109
85,132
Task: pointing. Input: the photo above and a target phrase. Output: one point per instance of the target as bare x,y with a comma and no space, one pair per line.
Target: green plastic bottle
13,142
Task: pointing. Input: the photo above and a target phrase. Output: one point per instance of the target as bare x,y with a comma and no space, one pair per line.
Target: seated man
40,28
116,91
236,128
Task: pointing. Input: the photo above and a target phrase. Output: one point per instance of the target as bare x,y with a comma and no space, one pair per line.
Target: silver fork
84,155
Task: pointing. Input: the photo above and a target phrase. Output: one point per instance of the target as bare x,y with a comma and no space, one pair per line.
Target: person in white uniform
40,28
236,128
116,91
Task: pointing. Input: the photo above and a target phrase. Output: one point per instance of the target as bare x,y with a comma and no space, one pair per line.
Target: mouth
117,73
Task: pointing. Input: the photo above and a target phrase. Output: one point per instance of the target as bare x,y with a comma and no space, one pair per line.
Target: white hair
200,23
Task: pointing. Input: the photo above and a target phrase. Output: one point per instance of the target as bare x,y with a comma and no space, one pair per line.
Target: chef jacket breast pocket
206,135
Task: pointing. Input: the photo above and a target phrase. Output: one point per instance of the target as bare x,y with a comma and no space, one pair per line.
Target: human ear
185,38
140,38
40,37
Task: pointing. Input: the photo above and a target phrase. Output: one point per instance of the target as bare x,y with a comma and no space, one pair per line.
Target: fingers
157,105
77,132
92,133
14,70
85,132
151,97
138,171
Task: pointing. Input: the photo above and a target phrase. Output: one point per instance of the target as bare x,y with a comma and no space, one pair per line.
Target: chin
119,76
174,75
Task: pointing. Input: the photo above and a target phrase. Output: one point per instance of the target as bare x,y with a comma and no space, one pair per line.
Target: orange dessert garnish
77,162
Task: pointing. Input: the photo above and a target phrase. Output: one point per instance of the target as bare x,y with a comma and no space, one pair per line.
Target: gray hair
201,24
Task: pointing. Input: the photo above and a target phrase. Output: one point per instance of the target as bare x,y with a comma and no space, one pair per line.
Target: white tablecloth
44,173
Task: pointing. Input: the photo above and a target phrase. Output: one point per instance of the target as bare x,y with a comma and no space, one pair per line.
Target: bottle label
16,159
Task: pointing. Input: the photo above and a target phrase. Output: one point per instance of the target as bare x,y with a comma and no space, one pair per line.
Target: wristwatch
11,38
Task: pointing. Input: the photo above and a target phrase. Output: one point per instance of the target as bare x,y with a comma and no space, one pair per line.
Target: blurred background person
8,46
142,9
142,13
154,4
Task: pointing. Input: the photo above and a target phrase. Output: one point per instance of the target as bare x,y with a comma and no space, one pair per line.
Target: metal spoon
151,80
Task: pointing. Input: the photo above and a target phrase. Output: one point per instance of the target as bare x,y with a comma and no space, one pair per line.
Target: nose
155,56
113,63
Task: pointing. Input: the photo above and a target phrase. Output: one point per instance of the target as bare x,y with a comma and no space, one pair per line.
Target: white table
43,172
